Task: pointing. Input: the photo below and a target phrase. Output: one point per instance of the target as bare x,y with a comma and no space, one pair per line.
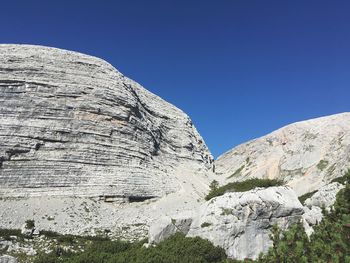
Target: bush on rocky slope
242,186
330,241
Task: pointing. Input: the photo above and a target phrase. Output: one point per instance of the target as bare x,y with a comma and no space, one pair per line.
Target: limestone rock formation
325,196
167,226
72,125
239,222
7,259
307,154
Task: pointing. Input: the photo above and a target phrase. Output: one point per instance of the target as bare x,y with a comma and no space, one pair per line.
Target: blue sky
240,69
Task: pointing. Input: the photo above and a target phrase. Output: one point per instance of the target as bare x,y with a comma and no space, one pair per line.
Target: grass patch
237,172
322,165
303,197
243,186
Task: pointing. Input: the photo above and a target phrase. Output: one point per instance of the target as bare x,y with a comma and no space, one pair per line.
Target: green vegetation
322,165
205,224
7,233
226,211
243,186
30,224
303,197
330,241
237,172
176,249
343,179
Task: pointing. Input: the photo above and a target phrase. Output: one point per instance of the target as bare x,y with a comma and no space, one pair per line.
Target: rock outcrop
325,196
239,222
307,154
167,226
7,259
72,125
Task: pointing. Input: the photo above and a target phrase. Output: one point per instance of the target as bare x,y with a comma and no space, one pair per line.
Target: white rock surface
325,196
241,222
307,154
311,217
167,226
72,125
7,259
87,149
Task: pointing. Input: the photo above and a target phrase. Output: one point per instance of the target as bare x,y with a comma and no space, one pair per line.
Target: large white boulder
240,222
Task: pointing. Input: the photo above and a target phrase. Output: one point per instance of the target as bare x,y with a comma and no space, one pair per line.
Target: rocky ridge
307,155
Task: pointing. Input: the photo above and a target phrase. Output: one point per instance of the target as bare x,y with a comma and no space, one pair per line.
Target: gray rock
307,154
240,222
311,217
7,259
72,125
167,226
325,196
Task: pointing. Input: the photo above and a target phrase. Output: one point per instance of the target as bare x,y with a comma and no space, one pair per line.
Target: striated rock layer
307,155
72,125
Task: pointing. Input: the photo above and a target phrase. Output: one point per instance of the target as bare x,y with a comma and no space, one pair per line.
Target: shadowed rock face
71,124
307,155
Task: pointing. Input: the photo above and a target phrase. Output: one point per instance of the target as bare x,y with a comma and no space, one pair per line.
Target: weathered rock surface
325,196
167,226
239,222
307,154
72,125
311,217
7,259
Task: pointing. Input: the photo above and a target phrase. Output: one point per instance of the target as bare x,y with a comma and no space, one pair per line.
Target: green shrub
330,241
243,186
30,224
7,233
176,249
343,179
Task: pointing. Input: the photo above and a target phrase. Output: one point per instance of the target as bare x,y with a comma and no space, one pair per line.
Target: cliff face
71,124
307,155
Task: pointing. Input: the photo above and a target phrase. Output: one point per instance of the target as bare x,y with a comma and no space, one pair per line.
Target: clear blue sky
240,69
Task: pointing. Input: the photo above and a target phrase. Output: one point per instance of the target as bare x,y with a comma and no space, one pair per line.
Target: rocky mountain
307,155
72,125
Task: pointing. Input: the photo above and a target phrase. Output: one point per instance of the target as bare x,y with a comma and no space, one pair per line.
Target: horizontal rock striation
71,124
307,155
